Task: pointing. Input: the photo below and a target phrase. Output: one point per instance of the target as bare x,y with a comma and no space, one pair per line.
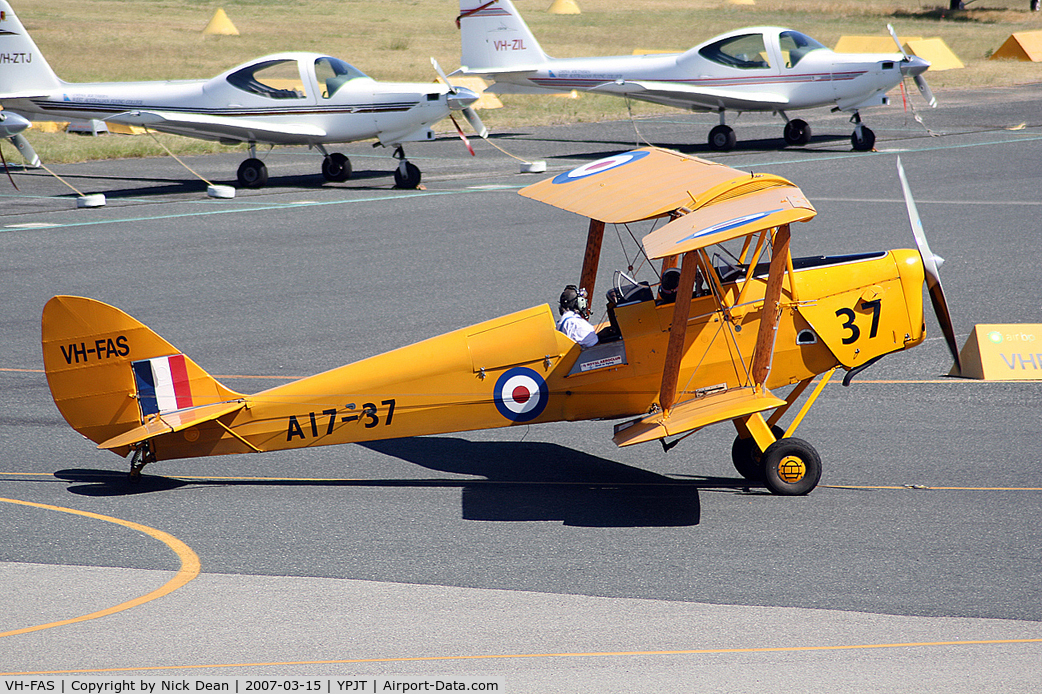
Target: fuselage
285,90
773,68
519,369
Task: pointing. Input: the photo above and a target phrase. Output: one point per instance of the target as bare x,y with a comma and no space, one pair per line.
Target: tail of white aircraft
494,37
23,70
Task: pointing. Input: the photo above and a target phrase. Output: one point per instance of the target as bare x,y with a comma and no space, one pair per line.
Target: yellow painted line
926,487
519,656
190,567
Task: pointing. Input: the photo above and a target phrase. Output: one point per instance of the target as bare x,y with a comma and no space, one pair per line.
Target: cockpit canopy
282,78
749,51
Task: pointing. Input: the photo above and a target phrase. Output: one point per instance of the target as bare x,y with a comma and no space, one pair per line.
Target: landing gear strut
722,137
143,455
796,132
335,167
252,172
863,139
406,176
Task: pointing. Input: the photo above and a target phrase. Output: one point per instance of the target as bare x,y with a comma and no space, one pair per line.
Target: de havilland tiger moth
747,319
291,98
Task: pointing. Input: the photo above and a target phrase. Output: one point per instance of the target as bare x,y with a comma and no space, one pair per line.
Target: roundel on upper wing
599,166
521,394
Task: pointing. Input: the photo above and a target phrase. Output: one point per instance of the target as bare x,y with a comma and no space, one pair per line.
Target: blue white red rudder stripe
162,384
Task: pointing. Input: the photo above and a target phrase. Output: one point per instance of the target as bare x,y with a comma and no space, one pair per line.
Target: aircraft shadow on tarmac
522,482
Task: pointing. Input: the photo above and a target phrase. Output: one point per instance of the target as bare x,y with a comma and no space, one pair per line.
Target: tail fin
109,373
494,37
25,72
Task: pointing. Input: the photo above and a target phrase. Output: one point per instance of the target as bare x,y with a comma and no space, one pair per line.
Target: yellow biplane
745,321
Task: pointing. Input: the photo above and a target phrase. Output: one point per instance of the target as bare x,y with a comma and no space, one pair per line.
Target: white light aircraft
752,69
282,99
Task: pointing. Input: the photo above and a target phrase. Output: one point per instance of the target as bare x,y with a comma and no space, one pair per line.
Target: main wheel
410,179
252,173
791,467
797,132
722,138
865,143
748,458
336,167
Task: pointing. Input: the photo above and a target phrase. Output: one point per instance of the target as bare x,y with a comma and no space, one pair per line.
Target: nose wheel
797,132
407,175
862,139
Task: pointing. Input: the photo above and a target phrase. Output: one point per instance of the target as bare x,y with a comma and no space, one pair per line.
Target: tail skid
494,38
26,73
119,383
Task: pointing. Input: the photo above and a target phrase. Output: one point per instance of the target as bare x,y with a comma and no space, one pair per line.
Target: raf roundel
599,166
521,394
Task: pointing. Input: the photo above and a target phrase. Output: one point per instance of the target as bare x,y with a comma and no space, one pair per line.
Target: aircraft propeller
913,66
931,263
11,127
461,99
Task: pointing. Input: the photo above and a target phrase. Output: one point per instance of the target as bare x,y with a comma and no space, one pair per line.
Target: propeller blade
924,89
893,35
931,263
7,170
463,137
26,150
441,74
475,122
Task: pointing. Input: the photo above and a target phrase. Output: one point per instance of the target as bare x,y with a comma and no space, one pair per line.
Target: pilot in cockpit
572,323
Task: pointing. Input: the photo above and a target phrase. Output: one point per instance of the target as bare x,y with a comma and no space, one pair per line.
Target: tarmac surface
542,555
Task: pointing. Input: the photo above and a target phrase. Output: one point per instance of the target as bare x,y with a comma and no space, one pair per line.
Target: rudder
493,36
109,373
25,72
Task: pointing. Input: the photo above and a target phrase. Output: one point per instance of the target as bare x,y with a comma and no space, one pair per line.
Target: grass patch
133,40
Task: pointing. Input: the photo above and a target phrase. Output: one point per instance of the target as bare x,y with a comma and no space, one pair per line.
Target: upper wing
711,98
713,202
208,127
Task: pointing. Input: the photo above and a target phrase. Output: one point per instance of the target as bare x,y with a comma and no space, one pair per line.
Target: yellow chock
221,25
1002,352
1021,45
564,7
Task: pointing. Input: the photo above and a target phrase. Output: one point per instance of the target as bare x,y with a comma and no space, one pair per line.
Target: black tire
797,132
748,458
409,180
252,173
722,138
336,167
866,142
791,467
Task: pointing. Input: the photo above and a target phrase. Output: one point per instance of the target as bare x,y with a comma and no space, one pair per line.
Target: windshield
333,73
745,52
794,46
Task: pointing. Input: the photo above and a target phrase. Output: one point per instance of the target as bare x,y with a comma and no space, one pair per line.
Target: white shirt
578,328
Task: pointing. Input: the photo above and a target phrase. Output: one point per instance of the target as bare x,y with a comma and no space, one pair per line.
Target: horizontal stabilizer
695,414
169,422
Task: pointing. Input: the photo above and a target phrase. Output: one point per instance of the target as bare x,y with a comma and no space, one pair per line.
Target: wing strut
678,331
764,350
592,257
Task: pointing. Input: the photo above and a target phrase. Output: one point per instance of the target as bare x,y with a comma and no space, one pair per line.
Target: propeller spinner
931,263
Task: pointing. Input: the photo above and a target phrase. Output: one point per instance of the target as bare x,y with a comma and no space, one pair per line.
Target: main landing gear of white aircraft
797,132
